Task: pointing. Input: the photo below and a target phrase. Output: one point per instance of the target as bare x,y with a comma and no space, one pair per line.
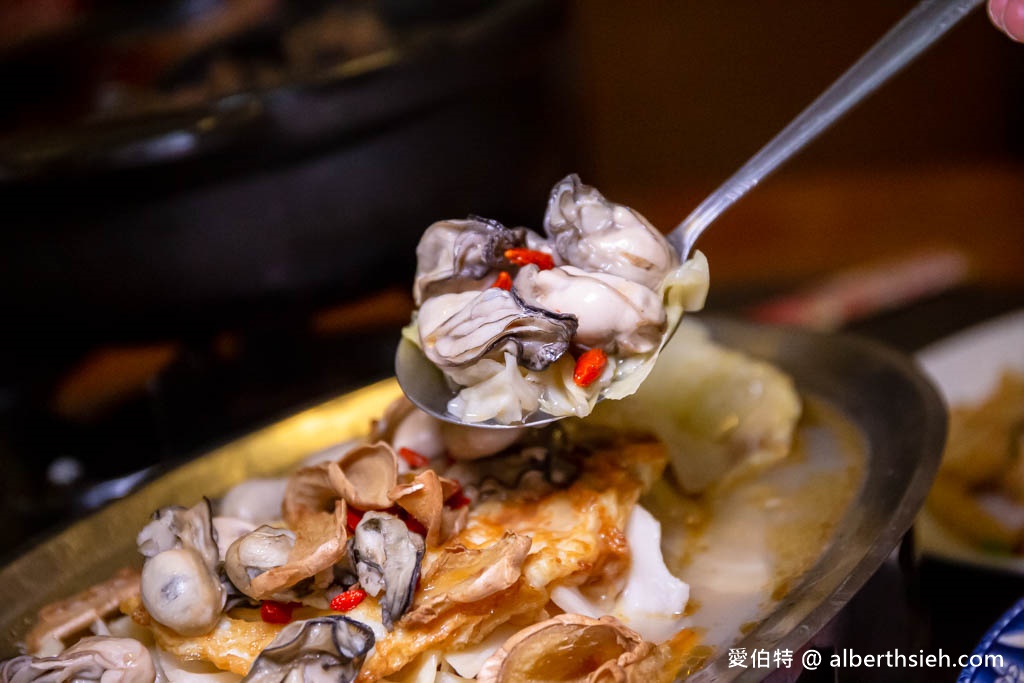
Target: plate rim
933,539
989,639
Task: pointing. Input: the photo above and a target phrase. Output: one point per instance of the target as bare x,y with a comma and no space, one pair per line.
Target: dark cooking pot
278,198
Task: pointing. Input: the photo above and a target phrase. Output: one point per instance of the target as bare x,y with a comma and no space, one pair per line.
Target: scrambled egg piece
232,645
577,538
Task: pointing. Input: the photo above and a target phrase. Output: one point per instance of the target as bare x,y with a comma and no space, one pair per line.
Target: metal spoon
424,383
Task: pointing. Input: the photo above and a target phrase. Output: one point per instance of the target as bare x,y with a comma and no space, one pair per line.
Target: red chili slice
349,600
522,257
412,457
274,612
504,281
352,518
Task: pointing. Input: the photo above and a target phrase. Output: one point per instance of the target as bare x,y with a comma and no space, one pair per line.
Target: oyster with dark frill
603,288
458,255
459,329
324,650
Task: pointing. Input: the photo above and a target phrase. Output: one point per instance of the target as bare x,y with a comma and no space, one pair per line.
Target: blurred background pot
214,162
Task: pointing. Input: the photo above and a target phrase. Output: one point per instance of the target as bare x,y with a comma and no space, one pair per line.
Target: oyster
597,235
181,593
459,329
604,282
457,255
95,658
387,557
319,545
325,650
180,584
613,313
255,553
175,527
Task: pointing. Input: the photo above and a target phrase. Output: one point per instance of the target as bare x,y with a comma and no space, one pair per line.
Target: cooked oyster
96,658
255,553
457,255
319,545
597,235
583,314
387,558
176,527
459,329
180,592
325,650
180,584
613,313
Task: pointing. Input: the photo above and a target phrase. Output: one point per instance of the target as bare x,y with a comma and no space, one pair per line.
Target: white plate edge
965,367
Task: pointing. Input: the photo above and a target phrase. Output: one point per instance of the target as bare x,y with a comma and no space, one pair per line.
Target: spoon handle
922,26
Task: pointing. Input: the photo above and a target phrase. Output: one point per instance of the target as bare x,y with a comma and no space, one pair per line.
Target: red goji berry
349,600
589,367
522,257
412,457
504,281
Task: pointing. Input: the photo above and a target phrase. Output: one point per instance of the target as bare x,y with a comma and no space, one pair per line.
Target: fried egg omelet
574,537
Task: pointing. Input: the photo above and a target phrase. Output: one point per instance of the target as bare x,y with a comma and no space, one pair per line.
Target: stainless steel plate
899,414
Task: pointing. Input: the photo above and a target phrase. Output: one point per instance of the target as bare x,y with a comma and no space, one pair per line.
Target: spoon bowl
425,384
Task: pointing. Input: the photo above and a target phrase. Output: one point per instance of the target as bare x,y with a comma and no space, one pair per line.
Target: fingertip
1013,19
996,9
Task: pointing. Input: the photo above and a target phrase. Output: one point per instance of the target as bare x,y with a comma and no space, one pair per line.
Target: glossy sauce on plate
741,549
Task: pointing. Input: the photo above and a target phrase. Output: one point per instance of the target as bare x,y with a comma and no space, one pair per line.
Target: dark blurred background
208,208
